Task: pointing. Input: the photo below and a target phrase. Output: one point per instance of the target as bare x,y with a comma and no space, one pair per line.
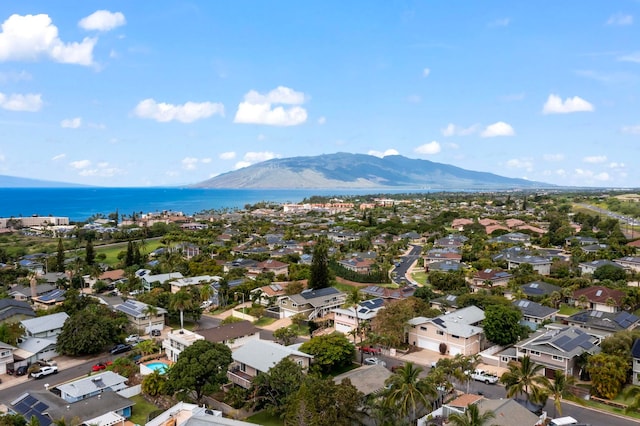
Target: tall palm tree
471,417
180,301
408,393
558,388
151,311
522,376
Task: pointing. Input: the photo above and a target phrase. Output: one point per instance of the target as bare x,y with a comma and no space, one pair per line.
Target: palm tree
353,299
471,417
180,301
407,392
522,376
151,311
558,389
206,291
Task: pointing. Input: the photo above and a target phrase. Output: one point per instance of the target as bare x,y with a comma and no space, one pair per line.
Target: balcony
240,378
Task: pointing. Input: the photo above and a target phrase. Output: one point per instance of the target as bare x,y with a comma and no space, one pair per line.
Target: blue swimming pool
158,366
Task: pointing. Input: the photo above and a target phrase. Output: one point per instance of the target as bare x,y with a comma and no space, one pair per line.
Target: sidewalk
63,363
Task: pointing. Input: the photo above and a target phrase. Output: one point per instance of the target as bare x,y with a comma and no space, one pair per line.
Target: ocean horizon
79,204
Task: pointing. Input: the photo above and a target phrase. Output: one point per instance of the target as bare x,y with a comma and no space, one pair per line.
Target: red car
101,366
370,350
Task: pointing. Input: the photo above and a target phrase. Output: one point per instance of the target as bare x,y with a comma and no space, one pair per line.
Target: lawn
264,321
346,288
568,310
266,419
419,277
141,410
112,251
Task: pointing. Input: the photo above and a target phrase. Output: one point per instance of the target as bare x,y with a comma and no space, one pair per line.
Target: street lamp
238,292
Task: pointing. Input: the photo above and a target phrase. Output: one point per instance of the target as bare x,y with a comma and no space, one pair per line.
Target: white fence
130,391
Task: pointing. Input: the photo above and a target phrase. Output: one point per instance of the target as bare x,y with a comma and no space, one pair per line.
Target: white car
45,371
484,376
374,361
132,338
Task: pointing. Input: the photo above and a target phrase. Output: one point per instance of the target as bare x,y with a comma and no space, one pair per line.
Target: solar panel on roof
598,293
29,400
40,406
22,408
534,285
562,340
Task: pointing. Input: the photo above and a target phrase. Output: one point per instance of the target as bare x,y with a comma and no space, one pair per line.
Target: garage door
453,350
342,328
429,344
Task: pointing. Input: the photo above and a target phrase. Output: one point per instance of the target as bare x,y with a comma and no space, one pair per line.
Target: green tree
150,311
273,390
608,374
407,393
60,256
285,335
472,417
12,420
389,323
181,301
322,402
523,375
320,277
502,324
329,351
154,384
90,330
10,332
201,367
610,272
89,253
558,388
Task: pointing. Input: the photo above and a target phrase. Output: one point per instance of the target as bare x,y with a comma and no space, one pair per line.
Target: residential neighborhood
501,283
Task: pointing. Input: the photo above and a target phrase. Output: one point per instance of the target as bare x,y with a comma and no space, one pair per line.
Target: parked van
563,421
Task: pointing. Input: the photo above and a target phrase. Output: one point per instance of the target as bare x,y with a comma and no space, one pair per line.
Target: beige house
138,317
177,341
259,356
459,331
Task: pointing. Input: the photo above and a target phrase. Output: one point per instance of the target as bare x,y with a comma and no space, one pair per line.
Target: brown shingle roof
599,294
229,331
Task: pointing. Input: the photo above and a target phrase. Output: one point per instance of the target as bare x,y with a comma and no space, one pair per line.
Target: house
270,265
49,300
444,266
12,310
346,320
185,282
635,356
558,349
594,248
181,412
357,264
579,240
388,293
233,335
138,315
446,304
507,411
512,238
460,223
84,388
53,277
590,267
488,278
177,341
149,280
312,304
271,294
40,337
240,263
6,356
108,408
442,254
459,330
46,326
598,298
25,293
451,241
602,324
630,263
259,356
534,314
539,289
541,265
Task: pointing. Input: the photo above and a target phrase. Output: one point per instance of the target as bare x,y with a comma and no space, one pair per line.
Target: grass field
141,410
266,419
419,277
112,251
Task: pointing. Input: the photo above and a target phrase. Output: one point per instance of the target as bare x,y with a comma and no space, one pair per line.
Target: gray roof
264,354
36,344
539,288
607,321
45,323
12,307
90,408
136,309
317,297
458,323
507,412
26,290
209,420
533,309
95,382
567,342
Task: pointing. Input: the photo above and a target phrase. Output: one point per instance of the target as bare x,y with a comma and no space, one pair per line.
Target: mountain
20,182
360,171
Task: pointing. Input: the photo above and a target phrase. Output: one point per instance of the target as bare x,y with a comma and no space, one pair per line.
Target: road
405,263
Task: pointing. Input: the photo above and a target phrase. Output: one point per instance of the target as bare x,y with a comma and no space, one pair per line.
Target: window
455,337
423,328
295,305
557,358
534,353
440,333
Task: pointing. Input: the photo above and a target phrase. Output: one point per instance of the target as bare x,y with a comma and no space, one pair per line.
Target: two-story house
177,341
558,349
312,304
140,317
40,337
84,388
534,314
6,356
271,294
346,320
258,356
602,324
459,330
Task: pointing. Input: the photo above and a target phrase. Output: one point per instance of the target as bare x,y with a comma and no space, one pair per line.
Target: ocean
78,204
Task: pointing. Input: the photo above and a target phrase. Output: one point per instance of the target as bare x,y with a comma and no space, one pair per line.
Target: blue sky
172,92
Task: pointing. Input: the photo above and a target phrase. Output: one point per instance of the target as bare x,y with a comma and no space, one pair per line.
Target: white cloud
322,120
632,130
230,155
426,72
258,108
520,163
555,105
80,164
71,123
595,159
502,22
189,163
620,19
29,37
615,165
205,160
256,157
453,130
383,154
631,57
102,20
553,157
12,76
498,129
102,169
452,145
17,102
592,176
185,113
430,148
58,157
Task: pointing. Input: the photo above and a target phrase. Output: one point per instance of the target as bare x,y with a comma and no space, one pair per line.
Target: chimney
32,284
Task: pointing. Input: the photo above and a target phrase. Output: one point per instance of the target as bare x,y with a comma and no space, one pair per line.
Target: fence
130,391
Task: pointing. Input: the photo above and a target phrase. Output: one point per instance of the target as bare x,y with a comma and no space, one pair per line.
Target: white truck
45,371
484,376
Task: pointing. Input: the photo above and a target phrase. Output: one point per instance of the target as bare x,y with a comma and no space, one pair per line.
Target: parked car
484,376
155,332
45,371
374,361
370,350
22,370
120,348
101,366
132,338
